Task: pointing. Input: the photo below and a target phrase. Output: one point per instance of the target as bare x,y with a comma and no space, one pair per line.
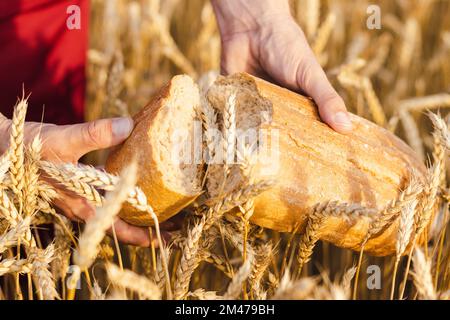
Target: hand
262,38
68,144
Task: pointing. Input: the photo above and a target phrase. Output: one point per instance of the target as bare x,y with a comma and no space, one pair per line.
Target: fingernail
122,127
342,120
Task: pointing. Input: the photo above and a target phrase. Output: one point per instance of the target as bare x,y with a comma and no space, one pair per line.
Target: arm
261,38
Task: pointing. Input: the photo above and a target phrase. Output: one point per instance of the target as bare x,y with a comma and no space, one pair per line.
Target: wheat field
397,76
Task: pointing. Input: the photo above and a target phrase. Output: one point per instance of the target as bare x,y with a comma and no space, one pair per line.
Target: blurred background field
390,75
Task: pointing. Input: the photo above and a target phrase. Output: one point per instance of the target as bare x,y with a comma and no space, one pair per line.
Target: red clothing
38,51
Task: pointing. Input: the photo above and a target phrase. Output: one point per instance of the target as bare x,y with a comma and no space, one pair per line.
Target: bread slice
168,172
309,161
313,164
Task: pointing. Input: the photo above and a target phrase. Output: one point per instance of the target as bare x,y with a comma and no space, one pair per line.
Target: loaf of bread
168,184
309,162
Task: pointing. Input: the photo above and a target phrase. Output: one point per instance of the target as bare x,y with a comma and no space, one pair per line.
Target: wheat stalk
202,294
134,282
349,212
30,189
63,242
43,277
323,34
11,238
229,127
422,276
15,266
104,217
427,102
189,260
405,229
392,208
235,286
441,128
73,184
16,148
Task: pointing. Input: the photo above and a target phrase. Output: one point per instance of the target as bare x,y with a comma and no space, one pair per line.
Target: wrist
237,16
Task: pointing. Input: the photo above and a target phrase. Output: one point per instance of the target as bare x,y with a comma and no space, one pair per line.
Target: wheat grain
104,217
63,242
43,277
405,228
235,287
422,276
15,266
392,208
10,239
16,148
441,128
30,189
202,294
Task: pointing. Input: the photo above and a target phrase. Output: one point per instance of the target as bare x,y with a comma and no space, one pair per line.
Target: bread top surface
168,182
368,157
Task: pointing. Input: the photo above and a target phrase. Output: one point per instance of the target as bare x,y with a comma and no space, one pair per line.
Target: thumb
312,79
99,134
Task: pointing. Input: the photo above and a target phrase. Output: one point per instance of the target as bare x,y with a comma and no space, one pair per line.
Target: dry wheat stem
96,227
202,294
392,208
441,128
40,264
312,15
134,282
422,276
189,260
30,189
412,132
63,242
374,103
235,286
428,102
405,228
229,127
323,34
349,212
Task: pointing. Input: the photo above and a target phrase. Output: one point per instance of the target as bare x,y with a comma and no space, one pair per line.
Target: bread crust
368,166
164,200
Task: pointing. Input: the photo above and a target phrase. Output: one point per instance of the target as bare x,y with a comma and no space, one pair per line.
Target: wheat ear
43,277
129,280
16,148
104,217
15,266
422,276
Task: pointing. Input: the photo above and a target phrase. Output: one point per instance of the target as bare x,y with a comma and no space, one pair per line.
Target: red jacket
38,51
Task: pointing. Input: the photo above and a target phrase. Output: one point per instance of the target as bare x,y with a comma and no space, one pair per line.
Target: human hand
63,144
262,38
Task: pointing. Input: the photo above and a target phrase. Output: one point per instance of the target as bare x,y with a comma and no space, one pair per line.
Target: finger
312,79
236,56
73,207
99,134
138,236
